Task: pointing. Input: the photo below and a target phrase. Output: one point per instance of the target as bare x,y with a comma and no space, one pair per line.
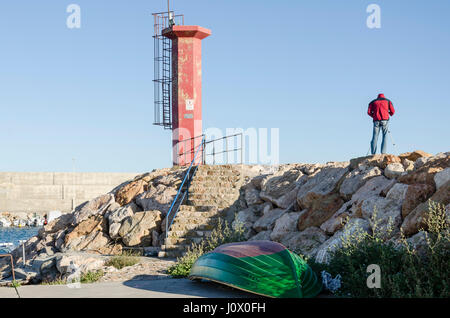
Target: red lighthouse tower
178,84
186,90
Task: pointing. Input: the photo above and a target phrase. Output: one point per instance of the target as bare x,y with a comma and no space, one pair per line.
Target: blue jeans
383,124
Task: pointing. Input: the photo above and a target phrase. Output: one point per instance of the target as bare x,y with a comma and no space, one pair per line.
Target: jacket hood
381,96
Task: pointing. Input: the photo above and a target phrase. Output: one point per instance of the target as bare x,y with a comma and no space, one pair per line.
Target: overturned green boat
262,267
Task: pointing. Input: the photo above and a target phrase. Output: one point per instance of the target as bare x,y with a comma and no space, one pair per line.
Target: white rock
354,226
97,206
81,262
267,221
442,178
305,242
285,224
245,218
321,184
397,192
157,198
116,217
388,213
394,170
356,179
252,196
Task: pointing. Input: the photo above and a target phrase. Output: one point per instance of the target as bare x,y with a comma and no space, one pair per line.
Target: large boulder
288,200
95,241
267,221
380,160
70,263
353,228
157,198
414,155
416,219
335,223
281,188
99,206
418,242
128,192
356,179
415,195
388,214
442,178
320,211
251,195
419,163
397,192
374,187
394,170
287,223
92,224
56,225
89,235
137,230
246,218
321,184
116,217
408,165
425,174
306,242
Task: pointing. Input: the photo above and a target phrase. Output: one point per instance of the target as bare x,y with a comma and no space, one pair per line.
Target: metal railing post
185,152
12,265
242,148
226,150
203,152
214,154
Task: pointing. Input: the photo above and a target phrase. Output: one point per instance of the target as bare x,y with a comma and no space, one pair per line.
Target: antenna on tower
170,15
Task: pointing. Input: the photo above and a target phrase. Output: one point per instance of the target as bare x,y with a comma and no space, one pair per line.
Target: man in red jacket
380,109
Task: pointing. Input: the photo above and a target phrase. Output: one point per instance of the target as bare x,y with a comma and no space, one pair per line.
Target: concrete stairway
214,189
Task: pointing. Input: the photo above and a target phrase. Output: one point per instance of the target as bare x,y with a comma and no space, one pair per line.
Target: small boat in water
261,267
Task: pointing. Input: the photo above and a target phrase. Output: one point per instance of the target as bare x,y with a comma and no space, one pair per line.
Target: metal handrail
181,187
213,153
191,142
225,138
12,264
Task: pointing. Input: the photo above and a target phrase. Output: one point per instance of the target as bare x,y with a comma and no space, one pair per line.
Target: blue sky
307,67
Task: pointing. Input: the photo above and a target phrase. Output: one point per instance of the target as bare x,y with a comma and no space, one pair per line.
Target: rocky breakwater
128,216
310,207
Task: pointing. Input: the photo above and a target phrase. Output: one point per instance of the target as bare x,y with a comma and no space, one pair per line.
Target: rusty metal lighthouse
178,82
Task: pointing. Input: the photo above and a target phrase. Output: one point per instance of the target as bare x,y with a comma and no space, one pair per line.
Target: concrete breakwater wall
41,192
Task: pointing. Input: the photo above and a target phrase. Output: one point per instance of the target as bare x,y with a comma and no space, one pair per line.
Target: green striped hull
278,274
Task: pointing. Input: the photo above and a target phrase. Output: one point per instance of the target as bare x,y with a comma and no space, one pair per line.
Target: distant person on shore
380,109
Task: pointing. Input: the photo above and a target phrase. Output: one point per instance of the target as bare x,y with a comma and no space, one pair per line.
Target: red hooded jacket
381,108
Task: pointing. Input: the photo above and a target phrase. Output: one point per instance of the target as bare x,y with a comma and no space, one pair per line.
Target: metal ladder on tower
166,83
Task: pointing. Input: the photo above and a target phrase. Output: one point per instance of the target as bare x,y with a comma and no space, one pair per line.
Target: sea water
14,235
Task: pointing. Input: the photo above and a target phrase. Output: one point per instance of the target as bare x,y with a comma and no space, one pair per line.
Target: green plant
91,276
222,234
120,261
406,271
58,281
15,284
